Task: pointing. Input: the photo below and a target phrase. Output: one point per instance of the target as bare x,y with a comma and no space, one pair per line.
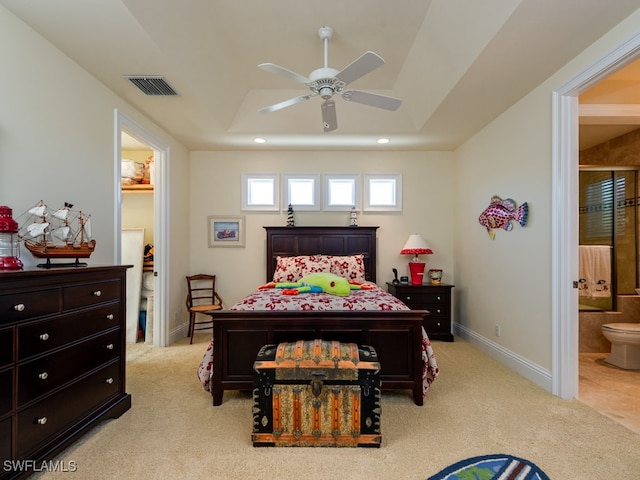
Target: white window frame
373,205
272,204
333,180
289,178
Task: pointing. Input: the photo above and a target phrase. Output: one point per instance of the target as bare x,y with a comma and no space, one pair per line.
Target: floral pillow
350,267
292,269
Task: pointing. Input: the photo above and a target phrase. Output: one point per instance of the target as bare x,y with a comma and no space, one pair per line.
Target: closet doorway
140,225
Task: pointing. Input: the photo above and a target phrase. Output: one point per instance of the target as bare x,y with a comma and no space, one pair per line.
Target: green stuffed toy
318,283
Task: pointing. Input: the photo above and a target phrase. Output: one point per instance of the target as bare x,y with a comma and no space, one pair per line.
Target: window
382,192
342,192
260,191
302,191
601,200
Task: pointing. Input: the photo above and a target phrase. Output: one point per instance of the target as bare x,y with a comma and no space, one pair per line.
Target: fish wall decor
501,214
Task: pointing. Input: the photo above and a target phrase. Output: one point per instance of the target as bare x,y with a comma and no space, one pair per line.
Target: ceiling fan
327,82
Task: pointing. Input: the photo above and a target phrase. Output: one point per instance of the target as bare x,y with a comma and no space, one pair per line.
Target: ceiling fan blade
284,72
286,103
364,64
372,99
329,119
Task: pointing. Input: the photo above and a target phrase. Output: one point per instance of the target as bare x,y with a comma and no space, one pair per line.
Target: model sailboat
62,233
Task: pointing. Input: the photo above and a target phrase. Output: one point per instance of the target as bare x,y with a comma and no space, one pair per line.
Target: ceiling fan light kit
327,82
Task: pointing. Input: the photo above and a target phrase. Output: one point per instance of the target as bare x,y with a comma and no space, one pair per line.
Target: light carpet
476,406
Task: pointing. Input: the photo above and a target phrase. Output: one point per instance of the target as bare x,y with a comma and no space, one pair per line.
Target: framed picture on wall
225,230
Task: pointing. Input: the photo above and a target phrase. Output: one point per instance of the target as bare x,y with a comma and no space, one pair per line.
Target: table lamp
416,245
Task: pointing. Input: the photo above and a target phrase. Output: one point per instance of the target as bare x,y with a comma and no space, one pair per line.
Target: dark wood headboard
292,241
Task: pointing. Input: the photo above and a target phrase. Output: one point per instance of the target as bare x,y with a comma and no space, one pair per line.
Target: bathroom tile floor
612,391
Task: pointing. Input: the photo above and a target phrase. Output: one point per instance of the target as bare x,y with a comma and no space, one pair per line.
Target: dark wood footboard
396,336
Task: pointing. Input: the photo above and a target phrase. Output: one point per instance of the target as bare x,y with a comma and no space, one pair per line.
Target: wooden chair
201,297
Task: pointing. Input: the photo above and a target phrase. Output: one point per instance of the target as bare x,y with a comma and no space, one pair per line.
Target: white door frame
564,257
160,218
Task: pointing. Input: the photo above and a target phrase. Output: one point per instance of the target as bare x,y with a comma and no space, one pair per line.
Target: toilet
625,344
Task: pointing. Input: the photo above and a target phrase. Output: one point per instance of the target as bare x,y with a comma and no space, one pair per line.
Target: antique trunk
316,393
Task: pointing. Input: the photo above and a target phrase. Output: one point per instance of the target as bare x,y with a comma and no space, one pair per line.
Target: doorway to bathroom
608,249
567,128
608,245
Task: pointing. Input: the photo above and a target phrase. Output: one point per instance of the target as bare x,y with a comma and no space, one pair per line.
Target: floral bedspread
374,299
274,299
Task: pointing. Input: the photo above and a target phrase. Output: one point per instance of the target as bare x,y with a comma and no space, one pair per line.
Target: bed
389,326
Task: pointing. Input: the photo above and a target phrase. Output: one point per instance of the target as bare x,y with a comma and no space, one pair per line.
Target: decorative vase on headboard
353,217
290,220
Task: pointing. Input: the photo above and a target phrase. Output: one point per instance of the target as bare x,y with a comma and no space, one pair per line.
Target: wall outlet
496,330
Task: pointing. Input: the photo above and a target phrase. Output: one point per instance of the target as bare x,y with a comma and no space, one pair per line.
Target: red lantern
9,245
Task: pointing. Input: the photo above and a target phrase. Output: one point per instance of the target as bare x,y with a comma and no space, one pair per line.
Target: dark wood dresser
62,359
434,298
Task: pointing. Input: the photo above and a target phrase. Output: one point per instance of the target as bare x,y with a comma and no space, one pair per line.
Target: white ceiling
456,64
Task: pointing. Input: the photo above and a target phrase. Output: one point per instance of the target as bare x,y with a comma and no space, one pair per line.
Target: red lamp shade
416,245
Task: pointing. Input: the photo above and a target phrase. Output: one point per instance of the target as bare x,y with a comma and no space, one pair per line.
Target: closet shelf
141,187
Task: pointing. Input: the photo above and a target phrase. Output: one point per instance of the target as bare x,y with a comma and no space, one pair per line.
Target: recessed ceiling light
383,140
259,140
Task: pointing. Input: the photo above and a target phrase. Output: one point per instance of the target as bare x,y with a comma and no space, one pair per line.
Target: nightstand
434,298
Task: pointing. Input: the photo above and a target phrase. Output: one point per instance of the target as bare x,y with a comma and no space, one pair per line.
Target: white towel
594,271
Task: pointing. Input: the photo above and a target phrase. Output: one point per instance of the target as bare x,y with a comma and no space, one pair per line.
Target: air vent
151,85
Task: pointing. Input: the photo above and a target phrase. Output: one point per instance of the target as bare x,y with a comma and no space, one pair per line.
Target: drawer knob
97,293
41,420
110,316
439,311
439,298
19,307
44,337
109,380
408,297
43,376
110,346
439,323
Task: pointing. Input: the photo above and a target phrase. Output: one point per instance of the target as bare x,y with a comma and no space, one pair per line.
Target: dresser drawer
38,377
6,391
436,299
411,298
435,309
436,325
36,338
6,346
78,296
40,422
29,304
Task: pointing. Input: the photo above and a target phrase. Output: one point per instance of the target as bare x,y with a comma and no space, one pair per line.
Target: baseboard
181,332
178,333
523,366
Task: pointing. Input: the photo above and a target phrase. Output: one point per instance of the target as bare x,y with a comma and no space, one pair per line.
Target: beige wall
57,144
507,281
215,190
